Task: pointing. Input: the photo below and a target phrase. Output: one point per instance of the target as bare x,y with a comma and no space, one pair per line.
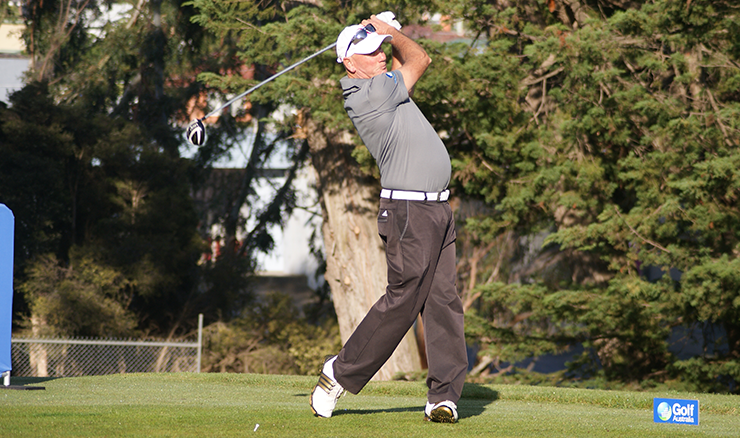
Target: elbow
424,62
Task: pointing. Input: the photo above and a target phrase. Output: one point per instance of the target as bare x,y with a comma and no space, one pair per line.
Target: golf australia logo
667,410
664,411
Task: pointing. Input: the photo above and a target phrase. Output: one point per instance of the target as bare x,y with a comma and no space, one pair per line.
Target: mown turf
226,405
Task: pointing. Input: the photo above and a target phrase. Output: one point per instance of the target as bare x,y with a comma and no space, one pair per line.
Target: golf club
196,132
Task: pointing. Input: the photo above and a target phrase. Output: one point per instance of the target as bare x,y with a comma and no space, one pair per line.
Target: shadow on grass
30,380
340,411
473,402
21,383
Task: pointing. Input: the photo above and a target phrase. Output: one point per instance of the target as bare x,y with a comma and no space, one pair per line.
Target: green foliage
90,162
35,147
703,374
270,338
81,182
619,137
85,299
9,13
611,129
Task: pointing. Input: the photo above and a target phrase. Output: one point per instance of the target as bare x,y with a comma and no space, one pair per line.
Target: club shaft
286,70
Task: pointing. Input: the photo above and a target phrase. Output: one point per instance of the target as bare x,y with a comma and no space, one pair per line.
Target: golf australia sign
668,410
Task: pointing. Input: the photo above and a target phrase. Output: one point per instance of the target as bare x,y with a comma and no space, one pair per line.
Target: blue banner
7,230
676,411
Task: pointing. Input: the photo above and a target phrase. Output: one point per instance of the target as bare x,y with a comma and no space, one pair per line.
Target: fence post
7,230
200,338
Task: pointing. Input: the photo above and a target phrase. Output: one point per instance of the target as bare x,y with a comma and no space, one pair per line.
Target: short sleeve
387,91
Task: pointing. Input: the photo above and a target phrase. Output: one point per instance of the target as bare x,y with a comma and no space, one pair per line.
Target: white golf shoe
326,393
442,412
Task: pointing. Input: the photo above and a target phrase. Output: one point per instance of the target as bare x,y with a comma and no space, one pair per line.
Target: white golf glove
390,18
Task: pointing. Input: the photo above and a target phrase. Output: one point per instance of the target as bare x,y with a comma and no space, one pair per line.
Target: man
415,222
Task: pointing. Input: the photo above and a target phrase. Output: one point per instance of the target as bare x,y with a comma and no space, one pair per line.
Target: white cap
345,48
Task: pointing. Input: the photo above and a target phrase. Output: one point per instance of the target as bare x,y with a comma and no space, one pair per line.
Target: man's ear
349,65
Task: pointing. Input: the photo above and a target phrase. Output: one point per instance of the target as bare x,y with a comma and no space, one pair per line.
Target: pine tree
610,127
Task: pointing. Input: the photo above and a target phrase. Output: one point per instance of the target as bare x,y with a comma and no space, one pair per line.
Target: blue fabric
7,230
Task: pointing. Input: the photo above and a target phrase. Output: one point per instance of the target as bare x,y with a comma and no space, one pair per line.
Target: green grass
226,405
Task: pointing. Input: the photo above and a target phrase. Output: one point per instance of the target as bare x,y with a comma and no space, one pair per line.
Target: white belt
415,196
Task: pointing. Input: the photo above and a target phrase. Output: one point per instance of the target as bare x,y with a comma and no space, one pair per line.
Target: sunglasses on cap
359,36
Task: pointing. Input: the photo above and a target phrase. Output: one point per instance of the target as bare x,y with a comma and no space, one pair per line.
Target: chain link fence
88,357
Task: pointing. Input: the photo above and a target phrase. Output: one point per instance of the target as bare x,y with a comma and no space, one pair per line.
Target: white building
13,63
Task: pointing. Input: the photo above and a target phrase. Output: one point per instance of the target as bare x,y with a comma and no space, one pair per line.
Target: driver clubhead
196,133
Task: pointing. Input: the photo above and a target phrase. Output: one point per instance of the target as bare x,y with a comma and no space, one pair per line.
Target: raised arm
408,57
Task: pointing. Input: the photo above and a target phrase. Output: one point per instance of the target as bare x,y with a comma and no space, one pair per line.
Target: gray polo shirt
409,153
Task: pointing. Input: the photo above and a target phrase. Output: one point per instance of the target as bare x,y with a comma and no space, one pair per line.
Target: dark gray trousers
419,240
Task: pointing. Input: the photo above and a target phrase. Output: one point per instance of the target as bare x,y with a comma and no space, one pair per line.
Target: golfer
415,222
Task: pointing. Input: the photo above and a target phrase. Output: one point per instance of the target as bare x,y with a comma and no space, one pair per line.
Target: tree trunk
38,355
355,258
